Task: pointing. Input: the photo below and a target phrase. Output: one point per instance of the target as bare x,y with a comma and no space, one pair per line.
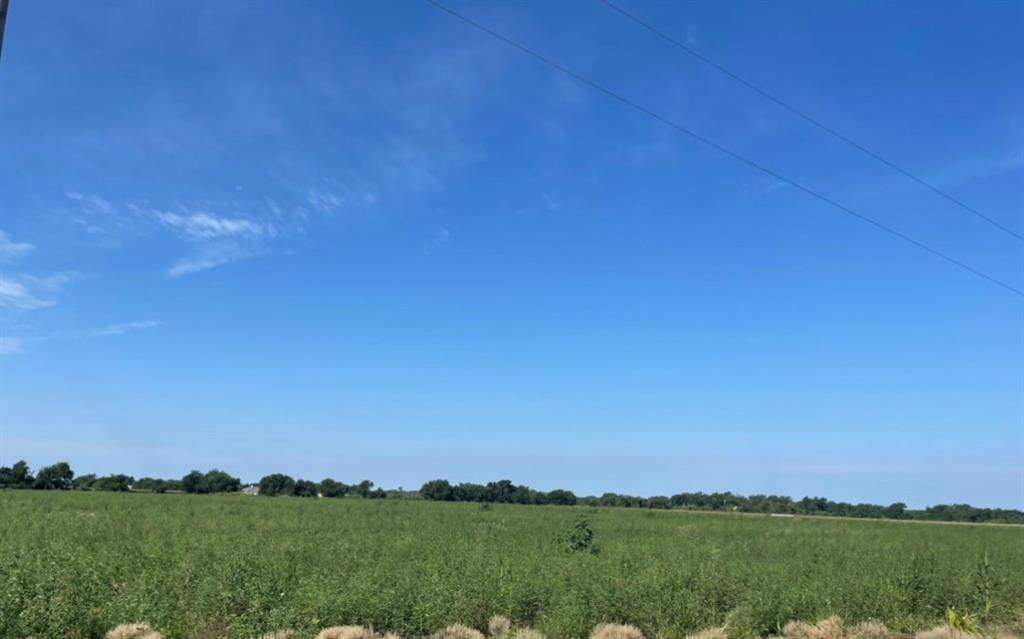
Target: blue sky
364,240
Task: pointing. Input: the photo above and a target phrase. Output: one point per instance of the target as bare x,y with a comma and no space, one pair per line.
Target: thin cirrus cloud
11,250
29,293
125,327
9,345
12,345
215,239
206,226
212,255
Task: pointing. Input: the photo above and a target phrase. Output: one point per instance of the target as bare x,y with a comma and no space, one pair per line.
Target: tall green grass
76,564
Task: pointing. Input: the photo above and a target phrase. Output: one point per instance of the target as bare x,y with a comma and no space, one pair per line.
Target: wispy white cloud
325,202
125,327
205,226
210,256
219,239
100,217
9,345
14,294
29,293
11,250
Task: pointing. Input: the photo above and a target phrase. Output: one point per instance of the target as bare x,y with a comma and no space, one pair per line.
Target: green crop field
74,564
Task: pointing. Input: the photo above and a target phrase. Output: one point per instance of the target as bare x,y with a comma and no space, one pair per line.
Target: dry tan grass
279,634
498,627
868,630
346,632
942,632
458,631
133,631
528,633
831,628
616,631
709,633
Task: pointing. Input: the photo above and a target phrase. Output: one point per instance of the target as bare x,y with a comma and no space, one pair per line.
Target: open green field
74,564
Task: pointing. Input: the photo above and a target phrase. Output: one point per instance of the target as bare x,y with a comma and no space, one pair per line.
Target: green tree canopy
276,484
59,476
304,488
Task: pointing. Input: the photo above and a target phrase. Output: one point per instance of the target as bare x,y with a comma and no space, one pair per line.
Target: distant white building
251,489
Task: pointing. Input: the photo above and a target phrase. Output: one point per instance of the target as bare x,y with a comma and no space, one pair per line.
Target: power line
3,21
824,127
715,145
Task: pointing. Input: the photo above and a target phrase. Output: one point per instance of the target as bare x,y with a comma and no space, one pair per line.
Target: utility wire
3,21
824,127
680,128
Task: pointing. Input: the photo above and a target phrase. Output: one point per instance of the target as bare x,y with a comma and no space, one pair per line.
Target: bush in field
580,537
276,484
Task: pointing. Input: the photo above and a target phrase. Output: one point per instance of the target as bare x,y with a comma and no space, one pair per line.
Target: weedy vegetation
77,564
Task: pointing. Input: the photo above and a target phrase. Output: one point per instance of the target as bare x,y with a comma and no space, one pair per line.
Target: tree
561,497
659,502
363,488
56,477
192,482
114,483
84,482
304,488
331,488
276,484
437,490
21,476
218,481
896,510
214,481
154,485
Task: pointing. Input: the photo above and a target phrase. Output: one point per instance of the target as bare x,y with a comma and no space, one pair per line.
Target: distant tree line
277,485
505,491
60,476
499,492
